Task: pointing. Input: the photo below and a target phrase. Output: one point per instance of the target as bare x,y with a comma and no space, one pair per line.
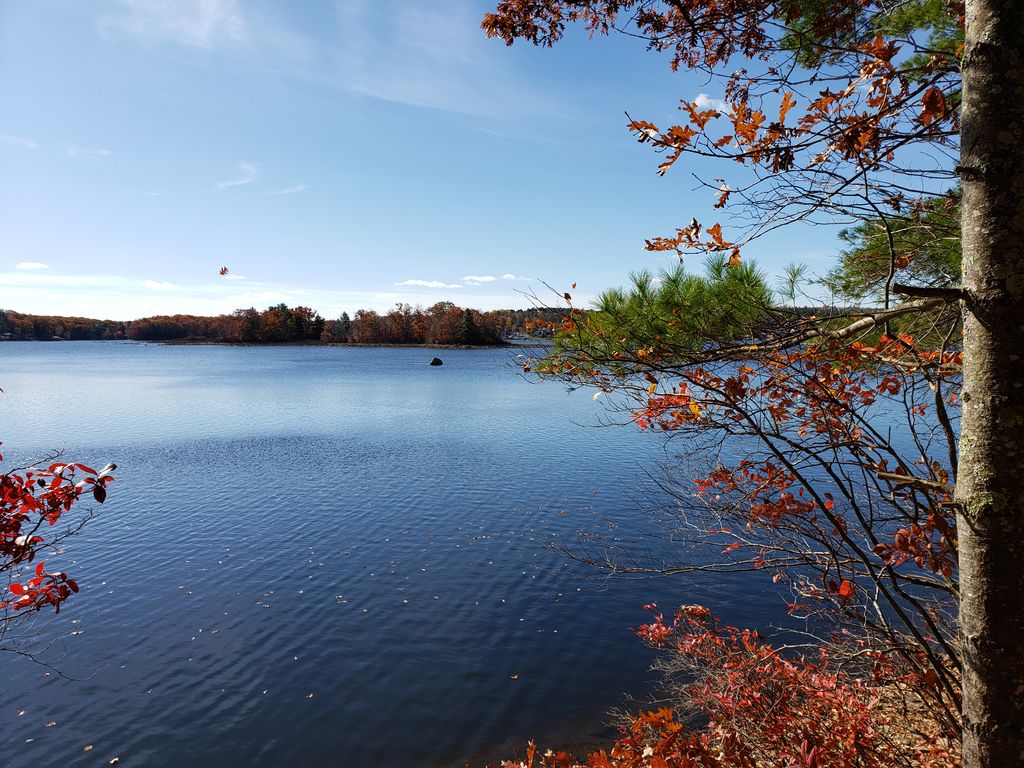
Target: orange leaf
787,104
716,234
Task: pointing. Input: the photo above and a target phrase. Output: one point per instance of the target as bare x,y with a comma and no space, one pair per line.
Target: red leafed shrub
33,499
760,708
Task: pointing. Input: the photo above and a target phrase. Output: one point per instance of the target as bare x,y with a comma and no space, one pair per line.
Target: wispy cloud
287,190
31,265
479,279
292,190
247,175
429,55
213,26
124,298
703,101
158,285
195,23
79,153
18,141
510,276
429,284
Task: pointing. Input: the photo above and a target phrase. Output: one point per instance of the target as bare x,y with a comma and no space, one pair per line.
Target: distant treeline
15,325
442,323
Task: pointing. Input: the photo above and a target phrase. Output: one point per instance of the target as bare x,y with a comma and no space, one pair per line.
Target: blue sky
339,155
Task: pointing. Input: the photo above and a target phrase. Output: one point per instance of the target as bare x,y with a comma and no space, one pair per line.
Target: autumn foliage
19,325
33,502
829,440
761,707
822,100
842,493
441,323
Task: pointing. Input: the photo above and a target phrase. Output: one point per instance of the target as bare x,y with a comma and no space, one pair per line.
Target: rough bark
990,482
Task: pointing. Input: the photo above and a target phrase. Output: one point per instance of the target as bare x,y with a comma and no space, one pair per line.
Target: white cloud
78,153
18,141
510,276
705,102
479,279
31,265
158,285
233,276
123,298
248,173
429,284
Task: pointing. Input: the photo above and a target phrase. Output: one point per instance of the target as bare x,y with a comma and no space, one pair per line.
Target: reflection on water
328,556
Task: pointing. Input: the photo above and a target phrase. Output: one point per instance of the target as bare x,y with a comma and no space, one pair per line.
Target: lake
329,556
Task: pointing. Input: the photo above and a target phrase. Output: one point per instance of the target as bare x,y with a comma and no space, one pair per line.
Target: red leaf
933,106
846,590
18,589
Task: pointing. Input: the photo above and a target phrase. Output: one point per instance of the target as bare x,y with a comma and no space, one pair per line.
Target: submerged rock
437,361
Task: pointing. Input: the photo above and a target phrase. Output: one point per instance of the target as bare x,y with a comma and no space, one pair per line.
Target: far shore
312,343
514,343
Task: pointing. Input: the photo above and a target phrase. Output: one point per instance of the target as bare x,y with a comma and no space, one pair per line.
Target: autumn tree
22,326
336,331
245,325
853,111
366,328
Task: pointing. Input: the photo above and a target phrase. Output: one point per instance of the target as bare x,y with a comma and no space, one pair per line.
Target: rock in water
437,361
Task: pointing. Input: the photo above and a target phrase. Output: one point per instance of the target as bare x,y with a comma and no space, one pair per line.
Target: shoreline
526,344
362,345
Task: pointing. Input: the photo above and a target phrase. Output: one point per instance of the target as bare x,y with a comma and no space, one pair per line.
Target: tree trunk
990,482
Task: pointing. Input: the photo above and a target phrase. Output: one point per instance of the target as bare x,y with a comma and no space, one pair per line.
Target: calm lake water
327,556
